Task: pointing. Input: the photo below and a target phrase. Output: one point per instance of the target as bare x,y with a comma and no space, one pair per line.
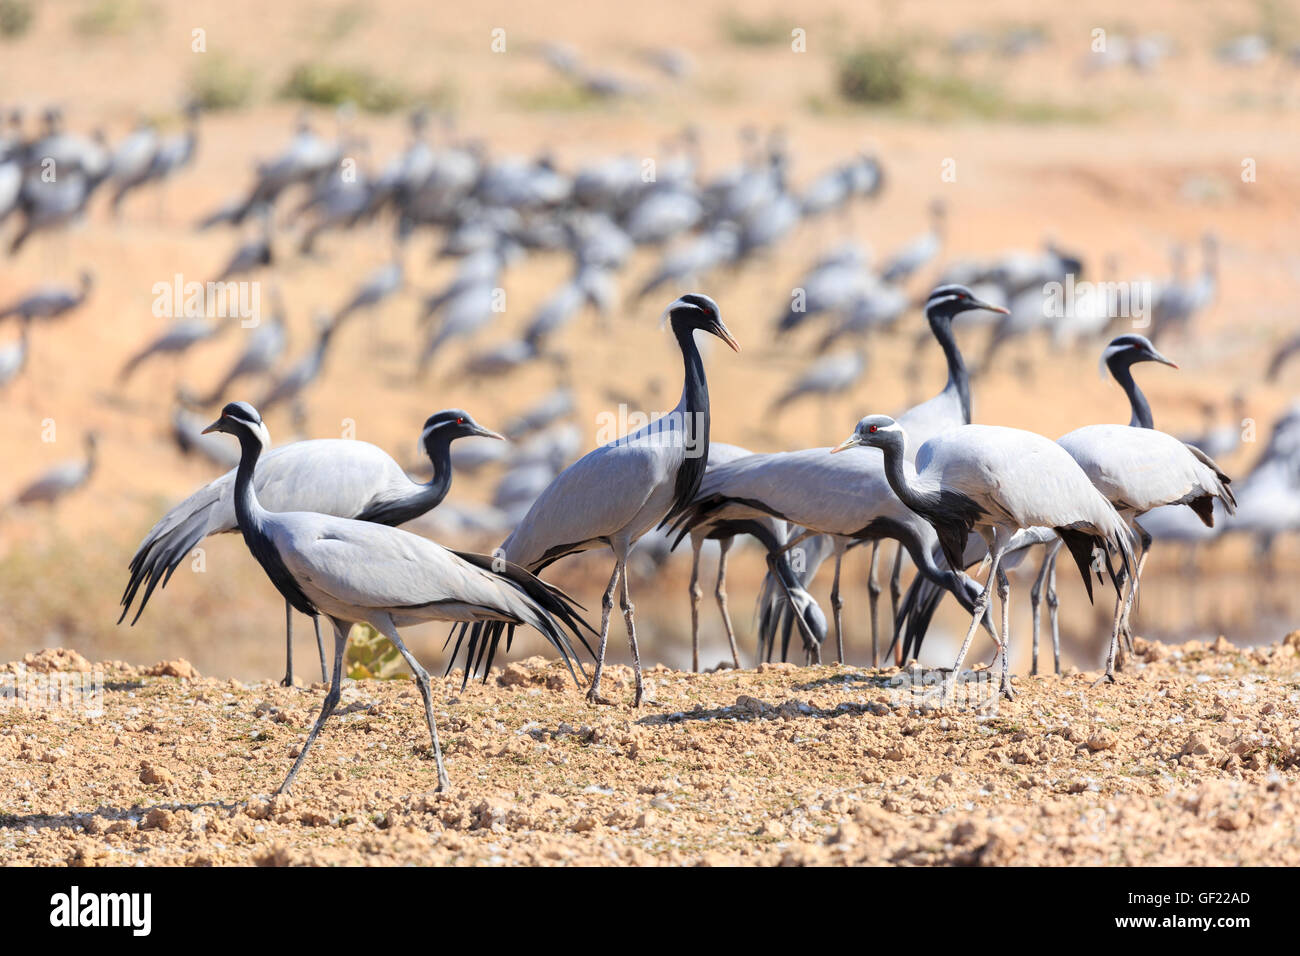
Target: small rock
180,668
154,775
1102,740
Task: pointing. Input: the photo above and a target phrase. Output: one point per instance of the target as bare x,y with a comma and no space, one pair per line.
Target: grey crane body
773,533
180,337
50,302
917,253
359,572
828,376
848,498
302,373
265,347
62,479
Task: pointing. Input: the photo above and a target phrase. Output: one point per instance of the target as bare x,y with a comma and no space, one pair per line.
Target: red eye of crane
872,429
460,421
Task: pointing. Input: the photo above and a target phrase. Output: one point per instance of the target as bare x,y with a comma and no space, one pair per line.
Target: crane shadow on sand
135,815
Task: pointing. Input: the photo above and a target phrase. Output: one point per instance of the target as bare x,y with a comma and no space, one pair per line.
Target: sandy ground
1192,759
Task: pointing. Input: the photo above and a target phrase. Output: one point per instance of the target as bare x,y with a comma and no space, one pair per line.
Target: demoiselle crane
265,347
1120,355
1138,469
848,498
181,336
998,481
63,479
357,572
303,372
51,302
772,533
918,252
616,493
341,477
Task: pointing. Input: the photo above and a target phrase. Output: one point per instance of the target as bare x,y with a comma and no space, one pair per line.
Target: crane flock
956,496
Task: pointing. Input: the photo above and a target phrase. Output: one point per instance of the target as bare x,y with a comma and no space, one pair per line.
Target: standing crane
357,572
616,493
333,476
997,481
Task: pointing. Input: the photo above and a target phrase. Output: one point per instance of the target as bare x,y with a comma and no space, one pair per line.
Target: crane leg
811,648
873,599
422,680
1126,628
1053,603
1045,573
697,594
836,606
625,602
288,645
341,631
320,649
720,592
980,609
1109,676
1035,597
895,593
1004,594
606,606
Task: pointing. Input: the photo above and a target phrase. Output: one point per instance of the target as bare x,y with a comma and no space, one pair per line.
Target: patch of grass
105,17
331,85
343,20
219,82
15,18
954,96
371,655
874,75
743,31
552,97
883,77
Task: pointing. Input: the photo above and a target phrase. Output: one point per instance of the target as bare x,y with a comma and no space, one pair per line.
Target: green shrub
15,17
220,83
743,32
874,75
329,85
111,16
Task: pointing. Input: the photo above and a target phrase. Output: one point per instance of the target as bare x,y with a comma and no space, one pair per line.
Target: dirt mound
1193,758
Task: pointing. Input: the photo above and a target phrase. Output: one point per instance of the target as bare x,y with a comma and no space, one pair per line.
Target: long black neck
420,498
926,504
1122,370
695,421
952,515
438,449
252,524
958,376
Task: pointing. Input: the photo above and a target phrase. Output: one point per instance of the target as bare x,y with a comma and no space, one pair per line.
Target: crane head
695,310
874,431
947,301
241,418
451,423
